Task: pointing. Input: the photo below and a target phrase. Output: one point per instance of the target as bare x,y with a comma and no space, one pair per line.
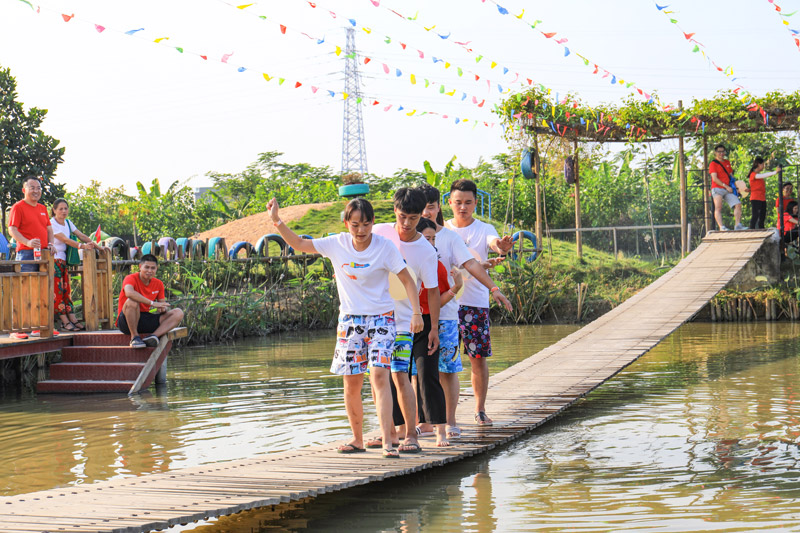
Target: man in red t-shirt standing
140,292
723,188
29,223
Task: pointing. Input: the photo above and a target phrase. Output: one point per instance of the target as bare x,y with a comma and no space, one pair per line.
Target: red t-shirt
788,225
444,286
714,167
785,202
31,221
758,188
154,291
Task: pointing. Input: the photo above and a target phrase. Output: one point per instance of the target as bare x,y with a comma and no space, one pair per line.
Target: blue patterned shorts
473,326
449,356
401,358
363,341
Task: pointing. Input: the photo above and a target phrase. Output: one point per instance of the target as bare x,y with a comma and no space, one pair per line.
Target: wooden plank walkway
521,398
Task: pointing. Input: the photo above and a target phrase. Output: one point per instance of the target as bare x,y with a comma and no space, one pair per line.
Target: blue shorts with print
363,341
449,355
401,358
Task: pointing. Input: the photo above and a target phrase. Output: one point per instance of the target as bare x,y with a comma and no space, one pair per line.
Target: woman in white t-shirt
62,228
366,331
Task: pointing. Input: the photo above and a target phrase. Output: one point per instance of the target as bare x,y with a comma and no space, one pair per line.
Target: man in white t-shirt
453,253
473,311
421,260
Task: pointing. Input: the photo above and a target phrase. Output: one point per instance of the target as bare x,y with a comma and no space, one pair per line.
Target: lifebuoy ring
524,235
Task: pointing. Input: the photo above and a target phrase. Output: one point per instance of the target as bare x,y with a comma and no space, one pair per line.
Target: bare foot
441,443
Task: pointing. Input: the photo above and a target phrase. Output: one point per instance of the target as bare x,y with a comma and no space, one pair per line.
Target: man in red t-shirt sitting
723,188
140,292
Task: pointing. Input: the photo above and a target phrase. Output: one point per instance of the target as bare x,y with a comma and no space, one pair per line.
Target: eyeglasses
720,151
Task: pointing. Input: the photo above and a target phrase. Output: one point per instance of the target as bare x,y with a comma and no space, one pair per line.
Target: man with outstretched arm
140,292
473,311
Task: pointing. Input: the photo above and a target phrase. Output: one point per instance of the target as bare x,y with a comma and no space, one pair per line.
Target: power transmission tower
354,150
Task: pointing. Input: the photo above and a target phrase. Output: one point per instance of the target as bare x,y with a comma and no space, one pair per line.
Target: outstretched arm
502,246
292,239
480,274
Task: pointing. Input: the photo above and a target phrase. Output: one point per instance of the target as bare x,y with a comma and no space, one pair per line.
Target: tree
24,149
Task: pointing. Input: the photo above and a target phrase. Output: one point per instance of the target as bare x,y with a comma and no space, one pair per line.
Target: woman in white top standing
366,331
62,228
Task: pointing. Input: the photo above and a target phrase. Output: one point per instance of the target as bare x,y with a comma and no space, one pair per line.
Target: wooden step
95,371
82,386
104,354
101,338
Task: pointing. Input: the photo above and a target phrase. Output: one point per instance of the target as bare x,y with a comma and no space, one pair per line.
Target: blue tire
198,250
525,235
238,247
354,190
217,248
262,246
184,247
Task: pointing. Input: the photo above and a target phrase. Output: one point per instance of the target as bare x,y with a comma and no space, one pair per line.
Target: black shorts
148,323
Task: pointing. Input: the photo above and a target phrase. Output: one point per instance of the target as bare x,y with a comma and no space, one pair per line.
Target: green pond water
701,434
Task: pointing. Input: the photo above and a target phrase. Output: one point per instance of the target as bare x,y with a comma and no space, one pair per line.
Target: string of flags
795,33
747,99
371,103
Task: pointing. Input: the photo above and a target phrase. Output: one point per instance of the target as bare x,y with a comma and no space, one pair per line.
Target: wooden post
537,185
109,288
90,290
614,234
707,214
49,296
578,240
682,170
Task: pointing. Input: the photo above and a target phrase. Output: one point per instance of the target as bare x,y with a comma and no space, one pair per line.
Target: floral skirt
63,292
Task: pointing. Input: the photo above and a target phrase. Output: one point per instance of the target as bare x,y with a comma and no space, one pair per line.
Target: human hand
433,341
272,208
494,261
501,299
505,244
161,306
35,243
416,323
458,280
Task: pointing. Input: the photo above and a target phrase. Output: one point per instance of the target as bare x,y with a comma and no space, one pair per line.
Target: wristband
278,223
419,314
494,289
451,293
151,303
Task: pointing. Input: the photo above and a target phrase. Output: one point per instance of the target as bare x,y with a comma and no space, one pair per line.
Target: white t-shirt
362,278
421,259
65,230
477,237
452,252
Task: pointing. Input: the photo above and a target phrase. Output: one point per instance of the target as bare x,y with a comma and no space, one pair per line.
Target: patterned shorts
363,341
449,356
473,326
401,358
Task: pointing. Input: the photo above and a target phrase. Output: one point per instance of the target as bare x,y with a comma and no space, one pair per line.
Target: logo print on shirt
347,266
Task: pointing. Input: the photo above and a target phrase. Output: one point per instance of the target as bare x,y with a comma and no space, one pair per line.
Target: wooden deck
520,399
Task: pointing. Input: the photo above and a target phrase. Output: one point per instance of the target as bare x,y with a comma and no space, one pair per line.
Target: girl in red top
790,223
758,192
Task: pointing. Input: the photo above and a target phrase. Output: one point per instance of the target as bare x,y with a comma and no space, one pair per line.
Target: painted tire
249,249
217,248
199,249
184,247
524,235
262,246
152,247
169,247
119,248
528,164
356,189
134,253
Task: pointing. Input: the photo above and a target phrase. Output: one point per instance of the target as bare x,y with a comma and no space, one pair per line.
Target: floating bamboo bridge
520,399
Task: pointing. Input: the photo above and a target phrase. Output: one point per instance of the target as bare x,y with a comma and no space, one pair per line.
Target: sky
128,108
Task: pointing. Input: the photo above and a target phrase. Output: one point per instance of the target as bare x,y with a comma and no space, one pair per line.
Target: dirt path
252,228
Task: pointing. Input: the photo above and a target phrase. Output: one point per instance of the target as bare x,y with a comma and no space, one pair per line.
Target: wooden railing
27,298
26,303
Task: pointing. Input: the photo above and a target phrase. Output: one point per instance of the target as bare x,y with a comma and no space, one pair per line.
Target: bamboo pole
537,189
707,215
578,239
684,213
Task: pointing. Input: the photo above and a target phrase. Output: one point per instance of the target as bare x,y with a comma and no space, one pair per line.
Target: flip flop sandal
391,453
482,419
78,326
410,448
453,432
350,448
421,433
69,326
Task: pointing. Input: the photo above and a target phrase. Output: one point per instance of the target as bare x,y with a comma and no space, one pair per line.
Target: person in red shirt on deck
29,223
790,223
788,196
758,192
723,188
140,292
